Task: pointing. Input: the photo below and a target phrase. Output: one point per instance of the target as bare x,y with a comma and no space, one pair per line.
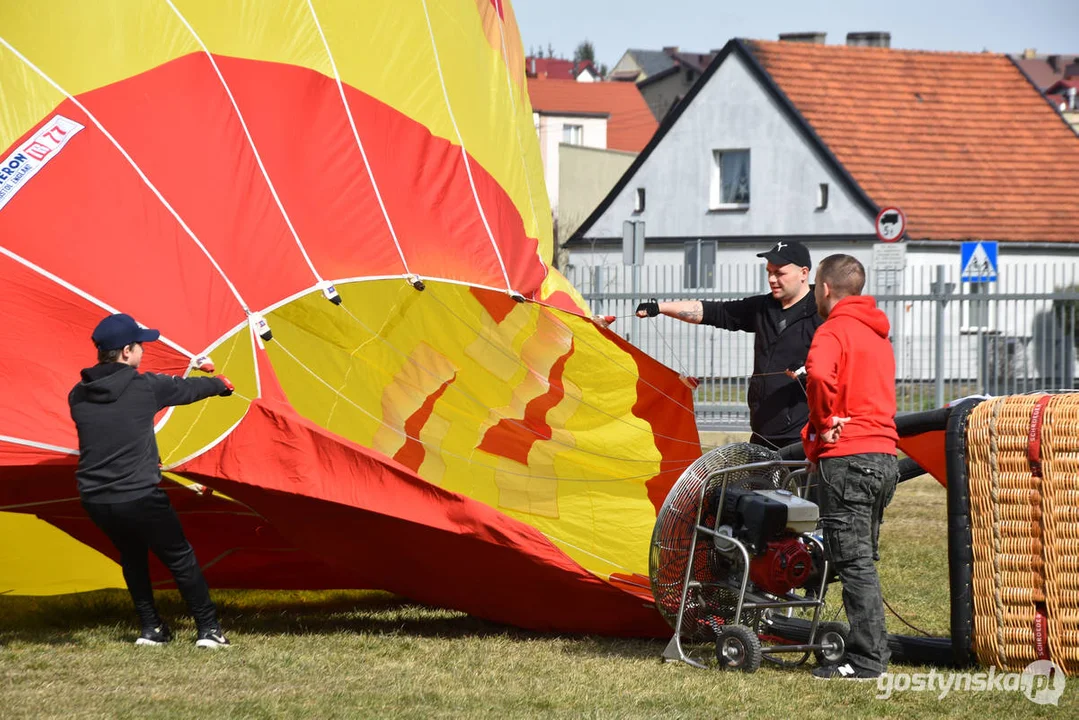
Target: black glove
651,307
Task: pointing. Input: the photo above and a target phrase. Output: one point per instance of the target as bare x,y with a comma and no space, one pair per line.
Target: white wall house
577,129
810,142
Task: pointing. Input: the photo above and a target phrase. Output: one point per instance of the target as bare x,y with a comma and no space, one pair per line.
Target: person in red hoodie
851,442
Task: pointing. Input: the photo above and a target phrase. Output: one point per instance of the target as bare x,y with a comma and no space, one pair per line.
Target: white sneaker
155,636
212,638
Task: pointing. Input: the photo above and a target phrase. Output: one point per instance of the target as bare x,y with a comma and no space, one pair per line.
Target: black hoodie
113,408
777,404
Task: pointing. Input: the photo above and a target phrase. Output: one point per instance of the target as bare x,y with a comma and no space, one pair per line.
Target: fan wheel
835,635
738,648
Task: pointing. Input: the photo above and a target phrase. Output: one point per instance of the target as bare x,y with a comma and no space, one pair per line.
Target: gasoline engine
772,524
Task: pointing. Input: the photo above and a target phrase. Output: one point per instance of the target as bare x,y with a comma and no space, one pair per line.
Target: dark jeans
854,491
145,524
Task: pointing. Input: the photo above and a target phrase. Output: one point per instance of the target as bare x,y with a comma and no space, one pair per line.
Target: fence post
941,291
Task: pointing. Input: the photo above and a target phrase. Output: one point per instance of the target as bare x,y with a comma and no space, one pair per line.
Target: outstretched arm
690,311
170,390
730,315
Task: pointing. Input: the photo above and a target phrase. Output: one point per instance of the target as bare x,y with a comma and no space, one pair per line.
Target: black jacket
113,408
777,404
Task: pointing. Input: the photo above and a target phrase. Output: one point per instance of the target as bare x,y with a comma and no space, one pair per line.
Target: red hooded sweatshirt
850,372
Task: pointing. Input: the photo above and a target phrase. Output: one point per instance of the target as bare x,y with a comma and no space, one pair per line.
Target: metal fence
951,339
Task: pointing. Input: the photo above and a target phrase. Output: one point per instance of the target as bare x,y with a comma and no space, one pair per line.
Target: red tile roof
962,142
630,124
556,68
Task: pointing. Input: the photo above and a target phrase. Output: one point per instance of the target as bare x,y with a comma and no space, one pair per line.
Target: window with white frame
700,266
573,134
730,180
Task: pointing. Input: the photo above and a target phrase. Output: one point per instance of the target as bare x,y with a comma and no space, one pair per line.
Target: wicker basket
1024,511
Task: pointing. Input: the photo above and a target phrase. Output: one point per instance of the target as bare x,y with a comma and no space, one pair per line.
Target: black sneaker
155,636
846,671
211,638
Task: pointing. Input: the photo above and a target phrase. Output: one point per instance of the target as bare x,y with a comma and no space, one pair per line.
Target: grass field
336,655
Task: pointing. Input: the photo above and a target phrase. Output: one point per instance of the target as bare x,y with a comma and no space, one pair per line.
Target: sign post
890,254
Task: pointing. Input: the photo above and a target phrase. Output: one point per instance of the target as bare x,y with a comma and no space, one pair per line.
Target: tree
584,52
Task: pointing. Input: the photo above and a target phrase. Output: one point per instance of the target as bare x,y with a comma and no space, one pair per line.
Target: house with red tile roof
820,138
589,133
807,141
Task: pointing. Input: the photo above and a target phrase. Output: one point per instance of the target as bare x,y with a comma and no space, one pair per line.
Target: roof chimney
1030,54
814,38
869,39
1054,62
670,49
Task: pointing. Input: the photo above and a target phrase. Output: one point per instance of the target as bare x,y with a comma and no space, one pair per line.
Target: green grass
355,654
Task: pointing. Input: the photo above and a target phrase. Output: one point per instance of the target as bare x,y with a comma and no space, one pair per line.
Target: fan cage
712,602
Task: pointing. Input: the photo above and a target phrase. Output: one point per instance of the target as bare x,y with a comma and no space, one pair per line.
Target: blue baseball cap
120,330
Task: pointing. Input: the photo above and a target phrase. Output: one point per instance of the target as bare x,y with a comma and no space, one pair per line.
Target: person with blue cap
119,472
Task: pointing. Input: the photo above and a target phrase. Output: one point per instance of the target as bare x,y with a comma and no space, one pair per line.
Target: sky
1007,26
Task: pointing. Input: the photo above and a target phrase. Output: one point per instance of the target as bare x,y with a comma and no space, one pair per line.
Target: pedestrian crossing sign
978,261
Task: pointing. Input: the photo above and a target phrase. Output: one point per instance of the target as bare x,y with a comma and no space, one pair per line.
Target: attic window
573,134
822,196
638,200
730,180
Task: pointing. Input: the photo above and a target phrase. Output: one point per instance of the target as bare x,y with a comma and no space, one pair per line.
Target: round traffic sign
891,224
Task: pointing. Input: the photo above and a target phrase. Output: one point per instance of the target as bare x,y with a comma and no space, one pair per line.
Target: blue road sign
978,261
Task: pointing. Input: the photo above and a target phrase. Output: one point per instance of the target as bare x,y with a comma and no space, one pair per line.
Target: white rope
359,143
250,140
464,151
135,166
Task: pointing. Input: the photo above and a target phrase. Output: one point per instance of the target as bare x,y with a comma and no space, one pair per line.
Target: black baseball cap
787,252
120,330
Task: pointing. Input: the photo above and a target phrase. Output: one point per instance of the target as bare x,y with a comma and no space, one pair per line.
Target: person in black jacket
119,472
784,322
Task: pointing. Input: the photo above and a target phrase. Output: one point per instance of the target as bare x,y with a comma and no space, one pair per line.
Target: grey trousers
854,490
